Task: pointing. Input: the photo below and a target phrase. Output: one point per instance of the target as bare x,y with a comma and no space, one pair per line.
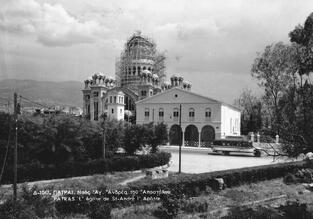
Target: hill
67,93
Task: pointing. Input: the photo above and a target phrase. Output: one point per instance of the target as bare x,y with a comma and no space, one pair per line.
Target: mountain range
67,93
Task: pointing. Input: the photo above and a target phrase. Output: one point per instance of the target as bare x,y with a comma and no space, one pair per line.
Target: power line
39,104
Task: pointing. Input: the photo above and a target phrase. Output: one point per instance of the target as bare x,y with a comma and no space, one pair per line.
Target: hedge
37,171
195,184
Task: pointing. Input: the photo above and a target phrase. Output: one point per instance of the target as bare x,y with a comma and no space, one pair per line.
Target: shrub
100,210
299,176
290,178
193,206
290,210
169,207
28,206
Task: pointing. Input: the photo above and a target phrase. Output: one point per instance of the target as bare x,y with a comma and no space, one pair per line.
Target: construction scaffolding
139,54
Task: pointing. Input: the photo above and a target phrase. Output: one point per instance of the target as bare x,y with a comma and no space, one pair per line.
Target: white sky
211,43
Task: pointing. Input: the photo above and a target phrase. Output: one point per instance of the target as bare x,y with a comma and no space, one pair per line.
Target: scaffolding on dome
139,54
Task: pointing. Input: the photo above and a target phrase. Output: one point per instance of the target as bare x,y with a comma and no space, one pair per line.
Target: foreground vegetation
257,198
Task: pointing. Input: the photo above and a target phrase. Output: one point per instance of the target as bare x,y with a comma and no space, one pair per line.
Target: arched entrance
191,136
207,136
174,135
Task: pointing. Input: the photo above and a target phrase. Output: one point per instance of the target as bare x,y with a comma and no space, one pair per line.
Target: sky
212,44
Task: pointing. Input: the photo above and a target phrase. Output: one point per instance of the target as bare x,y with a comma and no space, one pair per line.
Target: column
183,140
199,143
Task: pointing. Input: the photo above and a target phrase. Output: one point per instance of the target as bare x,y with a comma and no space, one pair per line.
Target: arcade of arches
191,136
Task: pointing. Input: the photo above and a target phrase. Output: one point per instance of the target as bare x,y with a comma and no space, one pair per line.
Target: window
161,112
134,70
114,99
121,111
146,113
87,97
151,93
191,112
207,113
96,94
88,109
143,93
95,111
175,113
112,111
138,69
110,99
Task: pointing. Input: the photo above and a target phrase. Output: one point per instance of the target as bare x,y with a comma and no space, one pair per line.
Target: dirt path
132,180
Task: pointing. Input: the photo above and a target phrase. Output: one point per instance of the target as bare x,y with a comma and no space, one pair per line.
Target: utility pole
180,139
15,150
103,141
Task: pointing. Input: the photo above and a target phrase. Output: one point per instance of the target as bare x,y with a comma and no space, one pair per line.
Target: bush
300,176
28,206
290,210
37,171
100,210
193,206
169,208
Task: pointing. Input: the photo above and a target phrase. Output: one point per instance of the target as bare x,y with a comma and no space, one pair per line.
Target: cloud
52,25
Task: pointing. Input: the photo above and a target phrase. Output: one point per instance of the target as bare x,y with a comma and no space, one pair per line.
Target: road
199,161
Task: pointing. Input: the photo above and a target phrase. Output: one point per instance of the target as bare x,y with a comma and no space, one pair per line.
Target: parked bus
226,146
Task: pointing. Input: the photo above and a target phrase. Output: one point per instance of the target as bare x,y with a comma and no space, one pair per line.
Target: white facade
115,104
230,121
207,118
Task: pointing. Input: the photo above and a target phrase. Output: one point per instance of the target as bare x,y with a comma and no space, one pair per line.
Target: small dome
166,83
147,72
110,78
155,76
174,76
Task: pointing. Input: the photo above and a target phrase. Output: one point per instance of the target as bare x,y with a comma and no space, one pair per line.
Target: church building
140,91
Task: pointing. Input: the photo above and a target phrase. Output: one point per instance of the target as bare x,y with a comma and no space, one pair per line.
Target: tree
60,140
273,69
303,37
91,136
156,135
138,136
114,134
134,138
251,112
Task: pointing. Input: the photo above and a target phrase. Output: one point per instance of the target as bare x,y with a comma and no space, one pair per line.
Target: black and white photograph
156,109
